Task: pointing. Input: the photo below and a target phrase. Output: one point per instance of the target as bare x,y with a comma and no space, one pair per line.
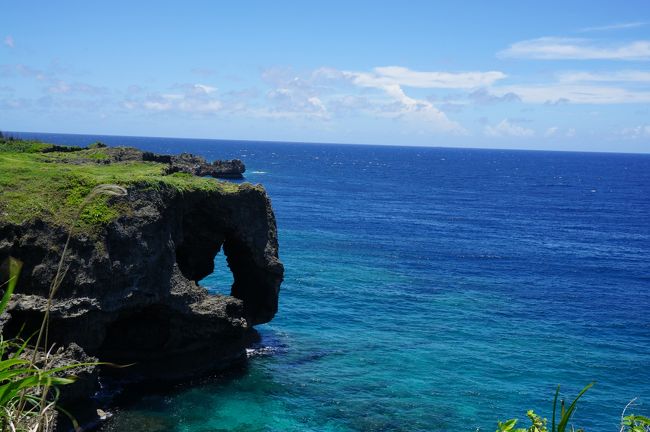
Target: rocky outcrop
131,294
185,162
196,165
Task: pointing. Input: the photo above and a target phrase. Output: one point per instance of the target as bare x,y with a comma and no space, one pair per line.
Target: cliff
131,291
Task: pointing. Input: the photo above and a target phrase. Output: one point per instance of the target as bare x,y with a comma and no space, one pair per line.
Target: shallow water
432,289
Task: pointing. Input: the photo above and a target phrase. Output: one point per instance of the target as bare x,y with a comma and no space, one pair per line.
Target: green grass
20,146
50,186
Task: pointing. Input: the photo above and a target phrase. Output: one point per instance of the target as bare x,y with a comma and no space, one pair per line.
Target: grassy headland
39,183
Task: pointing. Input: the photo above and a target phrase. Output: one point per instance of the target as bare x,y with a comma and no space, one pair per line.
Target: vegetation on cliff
127,265
29,375
30,371
47,182
561,418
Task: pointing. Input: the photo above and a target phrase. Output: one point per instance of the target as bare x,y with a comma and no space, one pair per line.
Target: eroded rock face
131,296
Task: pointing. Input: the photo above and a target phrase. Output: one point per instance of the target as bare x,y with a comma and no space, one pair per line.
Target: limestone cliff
131,292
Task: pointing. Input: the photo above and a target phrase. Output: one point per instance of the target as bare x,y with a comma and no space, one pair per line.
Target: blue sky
521,74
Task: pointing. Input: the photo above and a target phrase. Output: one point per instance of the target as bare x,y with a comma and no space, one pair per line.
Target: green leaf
557,392
507,426
14,271
6,364
642,419
566,414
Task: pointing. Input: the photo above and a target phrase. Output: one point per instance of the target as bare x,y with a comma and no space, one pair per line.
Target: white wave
262,351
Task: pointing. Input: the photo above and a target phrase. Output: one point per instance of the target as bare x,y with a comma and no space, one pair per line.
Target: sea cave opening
221,259
212,257
201,251
221,279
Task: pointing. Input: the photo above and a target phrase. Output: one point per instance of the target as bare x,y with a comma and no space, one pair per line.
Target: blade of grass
569,412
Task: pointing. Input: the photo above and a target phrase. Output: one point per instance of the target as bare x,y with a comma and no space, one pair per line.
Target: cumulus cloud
290,103
420,111
293,96
557,48
327,92
391,80
9,41
508,129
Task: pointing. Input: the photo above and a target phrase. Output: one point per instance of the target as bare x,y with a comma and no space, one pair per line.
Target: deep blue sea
432,289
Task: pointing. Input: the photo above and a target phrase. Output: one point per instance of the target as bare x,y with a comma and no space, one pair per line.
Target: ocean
430,289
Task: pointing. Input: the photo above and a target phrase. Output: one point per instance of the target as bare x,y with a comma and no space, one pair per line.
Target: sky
555,75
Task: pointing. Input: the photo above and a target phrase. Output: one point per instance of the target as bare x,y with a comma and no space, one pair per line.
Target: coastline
130,295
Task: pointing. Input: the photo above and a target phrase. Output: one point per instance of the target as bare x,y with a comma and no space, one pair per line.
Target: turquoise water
432,290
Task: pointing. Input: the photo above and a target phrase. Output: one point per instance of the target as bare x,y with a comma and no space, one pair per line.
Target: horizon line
331,143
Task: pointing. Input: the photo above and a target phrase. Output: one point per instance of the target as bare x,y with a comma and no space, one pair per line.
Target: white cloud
631,76
60,87
551,131
202,88
484,97
636,132
328,92
296,96
570,133
317,103
347,93
172,96
291,102
618,26
155,105
9,41
397,75
556,48
507,129
584,87
194,99
419,112
574,93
